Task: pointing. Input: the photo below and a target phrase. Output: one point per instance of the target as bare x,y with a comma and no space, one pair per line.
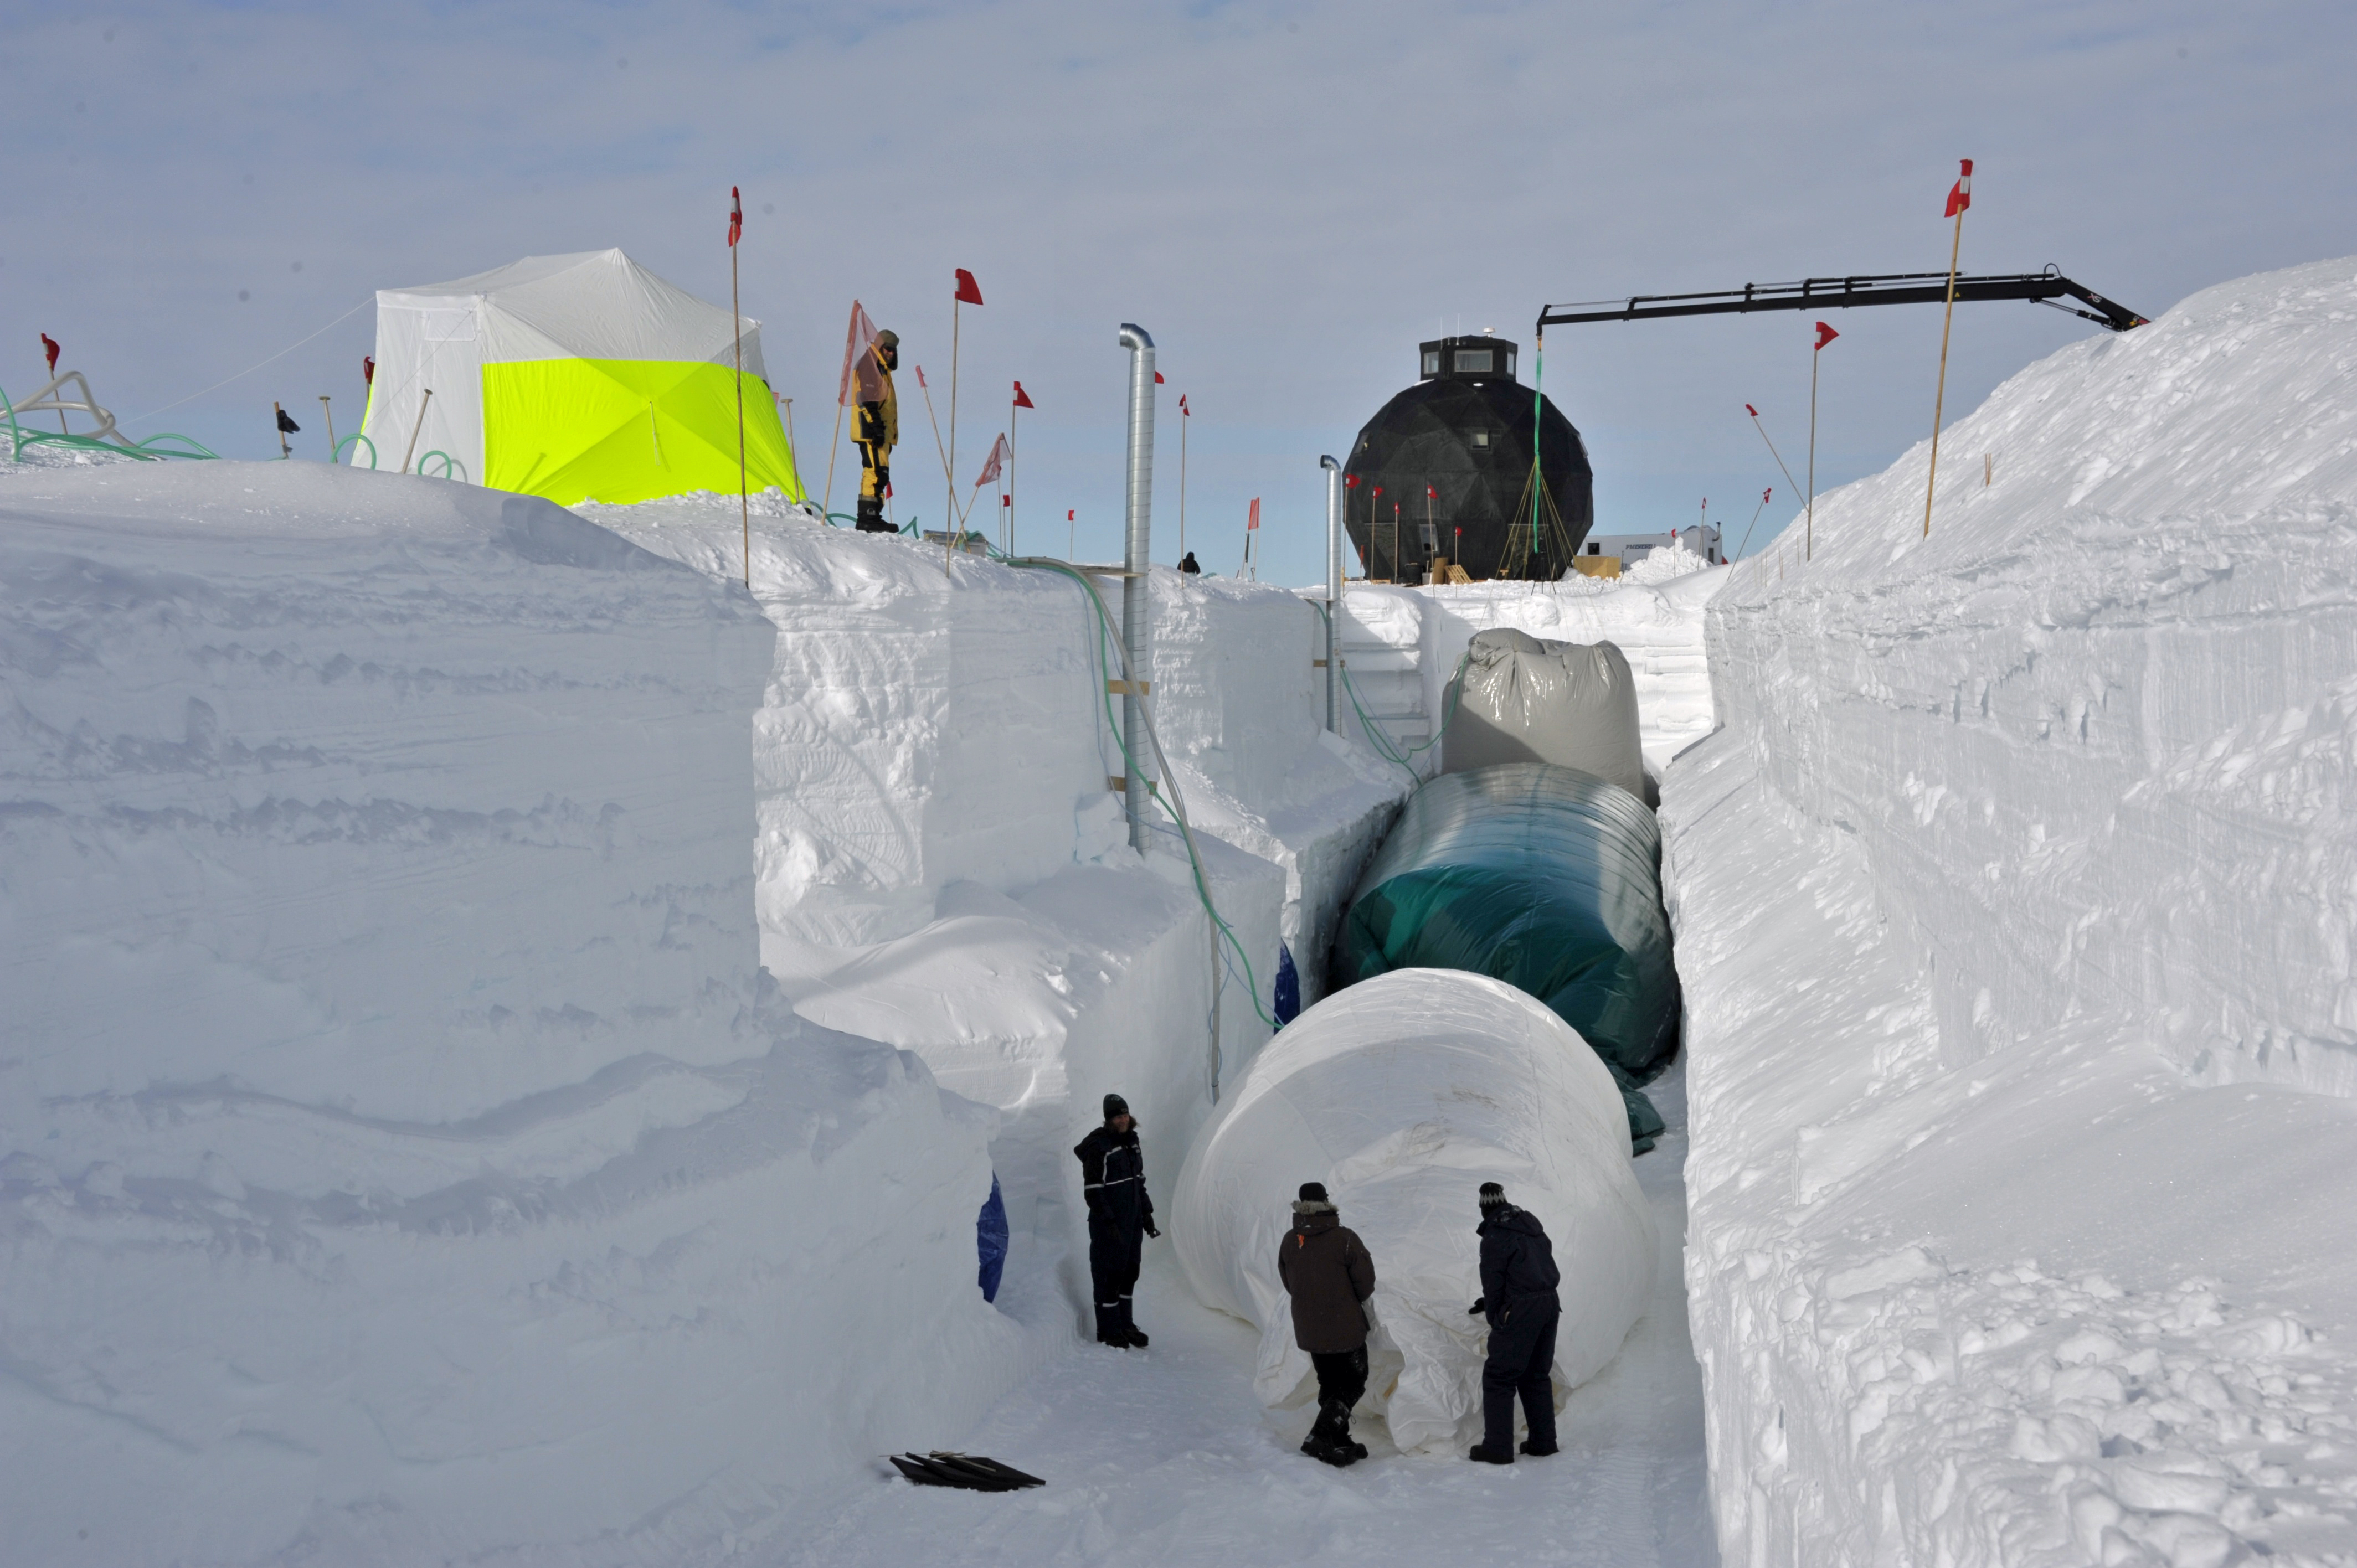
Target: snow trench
2014,904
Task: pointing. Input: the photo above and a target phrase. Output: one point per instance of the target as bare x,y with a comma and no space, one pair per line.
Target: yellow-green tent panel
628,430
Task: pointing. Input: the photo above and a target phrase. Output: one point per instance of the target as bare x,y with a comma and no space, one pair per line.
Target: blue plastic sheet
1288,987
990,1234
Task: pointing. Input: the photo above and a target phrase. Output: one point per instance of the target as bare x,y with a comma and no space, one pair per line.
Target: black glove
1150,1231
1475,1310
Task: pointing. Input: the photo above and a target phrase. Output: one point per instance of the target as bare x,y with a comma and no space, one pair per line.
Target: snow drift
1403,1094
402,1159
2015,907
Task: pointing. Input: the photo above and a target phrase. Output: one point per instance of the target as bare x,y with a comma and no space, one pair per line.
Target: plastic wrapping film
1541,876
1520,699
1404,1095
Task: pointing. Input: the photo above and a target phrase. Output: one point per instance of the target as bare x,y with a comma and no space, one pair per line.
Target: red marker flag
1430,494
1253,525
368,369
997,464
1960,195
921,378
968,291
1350,481
1022,398
1751,410
735,216
1826,334
863,378
1067,514
1184,412
49,349
1158,378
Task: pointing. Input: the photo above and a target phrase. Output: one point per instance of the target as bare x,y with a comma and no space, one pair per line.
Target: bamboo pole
834,445
950,523
329,414
1938,401
743,496
1809,529
278,425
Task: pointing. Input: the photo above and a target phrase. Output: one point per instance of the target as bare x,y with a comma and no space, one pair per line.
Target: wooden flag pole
834,445
1183,422
951,524
329,414
279,425
1939,400
1010,532
743,496
1809,529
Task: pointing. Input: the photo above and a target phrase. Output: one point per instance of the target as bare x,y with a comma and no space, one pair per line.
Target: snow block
403,1156
2013,907
1403,1095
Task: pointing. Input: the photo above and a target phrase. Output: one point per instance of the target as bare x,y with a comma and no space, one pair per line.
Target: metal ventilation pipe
1333,589
1136,609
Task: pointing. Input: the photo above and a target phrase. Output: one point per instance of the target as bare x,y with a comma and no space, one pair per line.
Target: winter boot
871,516
1110,1330
1326,1451
1483,1454
1335,1418
1539,1447
1131,1335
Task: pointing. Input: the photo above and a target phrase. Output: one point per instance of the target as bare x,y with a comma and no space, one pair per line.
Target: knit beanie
1114,1105
1313,1192
1492,1195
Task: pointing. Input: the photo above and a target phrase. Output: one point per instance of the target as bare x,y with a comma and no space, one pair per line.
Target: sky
1288,196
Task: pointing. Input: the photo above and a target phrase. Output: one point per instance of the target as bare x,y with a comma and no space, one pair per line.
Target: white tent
578,377
1404,1094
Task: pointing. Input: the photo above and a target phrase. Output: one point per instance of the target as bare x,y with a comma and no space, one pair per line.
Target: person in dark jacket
877,431
1120,1215
1327,1272
1186,565
1518,1296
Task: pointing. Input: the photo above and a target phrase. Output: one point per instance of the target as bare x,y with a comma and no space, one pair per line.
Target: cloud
1287,195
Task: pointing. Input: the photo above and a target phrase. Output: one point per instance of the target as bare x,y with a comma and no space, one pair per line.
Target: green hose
1175,803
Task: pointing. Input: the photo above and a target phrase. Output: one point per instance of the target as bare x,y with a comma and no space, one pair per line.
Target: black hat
1313,1192
1492,1195
1115,1106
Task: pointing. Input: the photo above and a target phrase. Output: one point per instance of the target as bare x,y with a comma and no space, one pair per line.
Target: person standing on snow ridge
1329,1276
1190,567
1518,1295
879,431
1113,1179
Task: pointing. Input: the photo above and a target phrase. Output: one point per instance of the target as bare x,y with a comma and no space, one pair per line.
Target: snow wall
402,1159
1404,1094
2015,906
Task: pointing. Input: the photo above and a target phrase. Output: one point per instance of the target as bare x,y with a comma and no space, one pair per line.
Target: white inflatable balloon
1404,1094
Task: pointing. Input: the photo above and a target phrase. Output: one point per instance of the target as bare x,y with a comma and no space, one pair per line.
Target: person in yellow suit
877,433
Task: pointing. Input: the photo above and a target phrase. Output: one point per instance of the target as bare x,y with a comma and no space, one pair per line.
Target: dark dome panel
1465,436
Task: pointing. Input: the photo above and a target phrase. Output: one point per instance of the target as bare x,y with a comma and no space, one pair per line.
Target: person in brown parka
1327,1272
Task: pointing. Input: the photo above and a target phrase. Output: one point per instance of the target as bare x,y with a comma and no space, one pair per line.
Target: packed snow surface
403,1156
2015,905
1404,1094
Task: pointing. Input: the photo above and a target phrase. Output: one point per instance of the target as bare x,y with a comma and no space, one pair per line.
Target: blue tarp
990,1239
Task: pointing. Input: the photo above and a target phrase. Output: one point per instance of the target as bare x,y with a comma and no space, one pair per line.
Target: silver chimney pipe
1333,589
1136,608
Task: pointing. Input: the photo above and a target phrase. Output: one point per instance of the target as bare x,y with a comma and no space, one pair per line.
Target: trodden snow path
1165,1456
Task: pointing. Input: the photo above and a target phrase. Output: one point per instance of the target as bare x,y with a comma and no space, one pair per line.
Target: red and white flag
1960,195
1826,334
1430,494
863,378
1022,398
1184,412
1350,481
1253,524
997,464
735,216
49,350
968,291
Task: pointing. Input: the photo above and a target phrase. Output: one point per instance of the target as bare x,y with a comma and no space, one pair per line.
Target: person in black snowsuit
1518,1296
1120,1215
1188,566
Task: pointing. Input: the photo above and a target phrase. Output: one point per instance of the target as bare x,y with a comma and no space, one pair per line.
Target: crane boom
2049,287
